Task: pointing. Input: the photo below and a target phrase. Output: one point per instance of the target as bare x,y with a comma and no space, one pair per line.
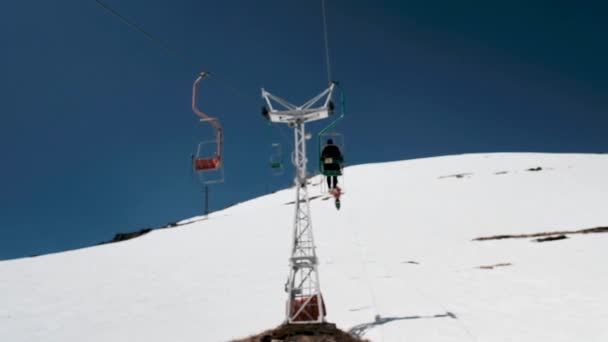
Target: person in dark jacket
331,159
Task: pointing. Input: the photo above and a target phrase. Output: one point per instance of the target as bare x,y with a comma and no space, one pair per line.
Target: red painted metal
213,162
310,312
207,164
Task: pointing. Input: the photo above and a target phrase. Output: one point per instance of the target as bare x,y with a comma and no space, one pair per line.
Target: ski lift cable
170,50
333,123
328,67
164,46
327,62
284,135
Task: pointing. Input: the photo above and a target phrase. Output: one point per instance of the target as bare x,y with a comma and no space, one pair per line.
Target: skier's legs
328,182
334,181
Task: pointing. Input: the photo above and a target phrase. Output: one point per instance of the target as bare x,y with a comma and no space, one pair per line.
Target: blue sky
96,129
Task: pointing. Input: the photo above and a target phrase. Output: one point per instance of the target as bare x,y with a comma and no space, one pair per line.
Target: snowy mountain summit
479,247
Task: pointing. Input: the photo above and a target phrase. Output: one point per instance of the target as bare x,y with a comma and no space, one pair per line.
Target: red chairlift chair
205,160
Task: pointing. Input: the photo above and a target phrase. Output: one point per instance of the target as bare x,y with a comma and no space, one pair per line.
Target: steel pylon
304,300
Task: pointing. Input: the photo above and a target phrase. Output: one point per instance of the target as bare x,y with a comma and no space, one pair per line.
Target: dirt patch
458,175
544,234
551,238
411,262
324,332
491,267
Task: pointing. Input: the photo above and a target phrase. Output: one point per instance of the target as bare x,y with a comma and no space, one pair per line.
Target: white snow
401,248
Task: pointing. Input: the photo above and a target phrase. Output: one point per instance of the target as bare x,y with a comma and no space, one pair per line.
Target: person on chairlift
331,159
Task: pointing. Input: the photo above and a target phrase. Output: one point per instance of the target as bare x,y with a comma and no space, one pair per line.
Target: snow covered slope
400,250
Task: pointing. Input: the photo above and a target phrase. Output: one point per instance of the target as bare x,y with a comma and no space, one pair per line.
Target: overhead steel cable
166,47
327,63
171,50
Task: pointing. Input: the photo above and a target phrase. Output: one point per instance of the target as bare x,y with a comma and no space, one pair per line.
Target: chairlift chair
208,162
276,160
335,163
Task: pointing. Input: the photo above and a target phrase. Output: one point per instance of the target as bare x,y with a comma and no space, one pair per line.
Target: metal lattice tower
304,301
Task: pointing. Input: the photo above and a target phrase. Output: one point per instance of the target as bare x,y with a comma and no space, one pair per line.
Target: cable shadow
360,329
310,199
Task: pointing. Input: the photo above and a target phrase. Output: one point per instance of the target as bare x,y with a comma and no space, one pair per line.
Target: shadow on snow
360,329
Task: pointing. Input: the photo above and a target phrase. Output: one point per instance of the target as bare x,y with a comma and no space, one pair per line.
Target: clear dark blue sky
96,129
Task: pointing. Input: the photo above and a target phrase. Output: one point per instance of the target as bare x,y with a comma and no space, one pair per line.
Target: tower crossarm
316,108
324,94
269,98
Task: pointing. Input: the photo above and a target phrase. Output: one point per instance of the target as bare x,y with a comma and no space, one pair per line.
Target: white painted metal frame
303,285
303,113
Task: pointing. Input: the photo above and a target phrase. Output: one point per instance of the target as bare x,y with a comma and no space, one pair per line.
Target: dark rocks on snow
491,267
551,238
544,234
325,332
127,236
458,175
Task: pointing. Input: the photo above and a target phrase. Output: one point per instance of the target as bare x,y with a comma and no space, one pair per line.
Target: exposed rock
544,234
127,236
458,175
491,267
551,238
324,332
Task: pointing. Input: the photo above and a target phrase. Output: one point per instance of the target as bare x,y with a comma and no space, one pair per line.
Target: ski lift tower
304,303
